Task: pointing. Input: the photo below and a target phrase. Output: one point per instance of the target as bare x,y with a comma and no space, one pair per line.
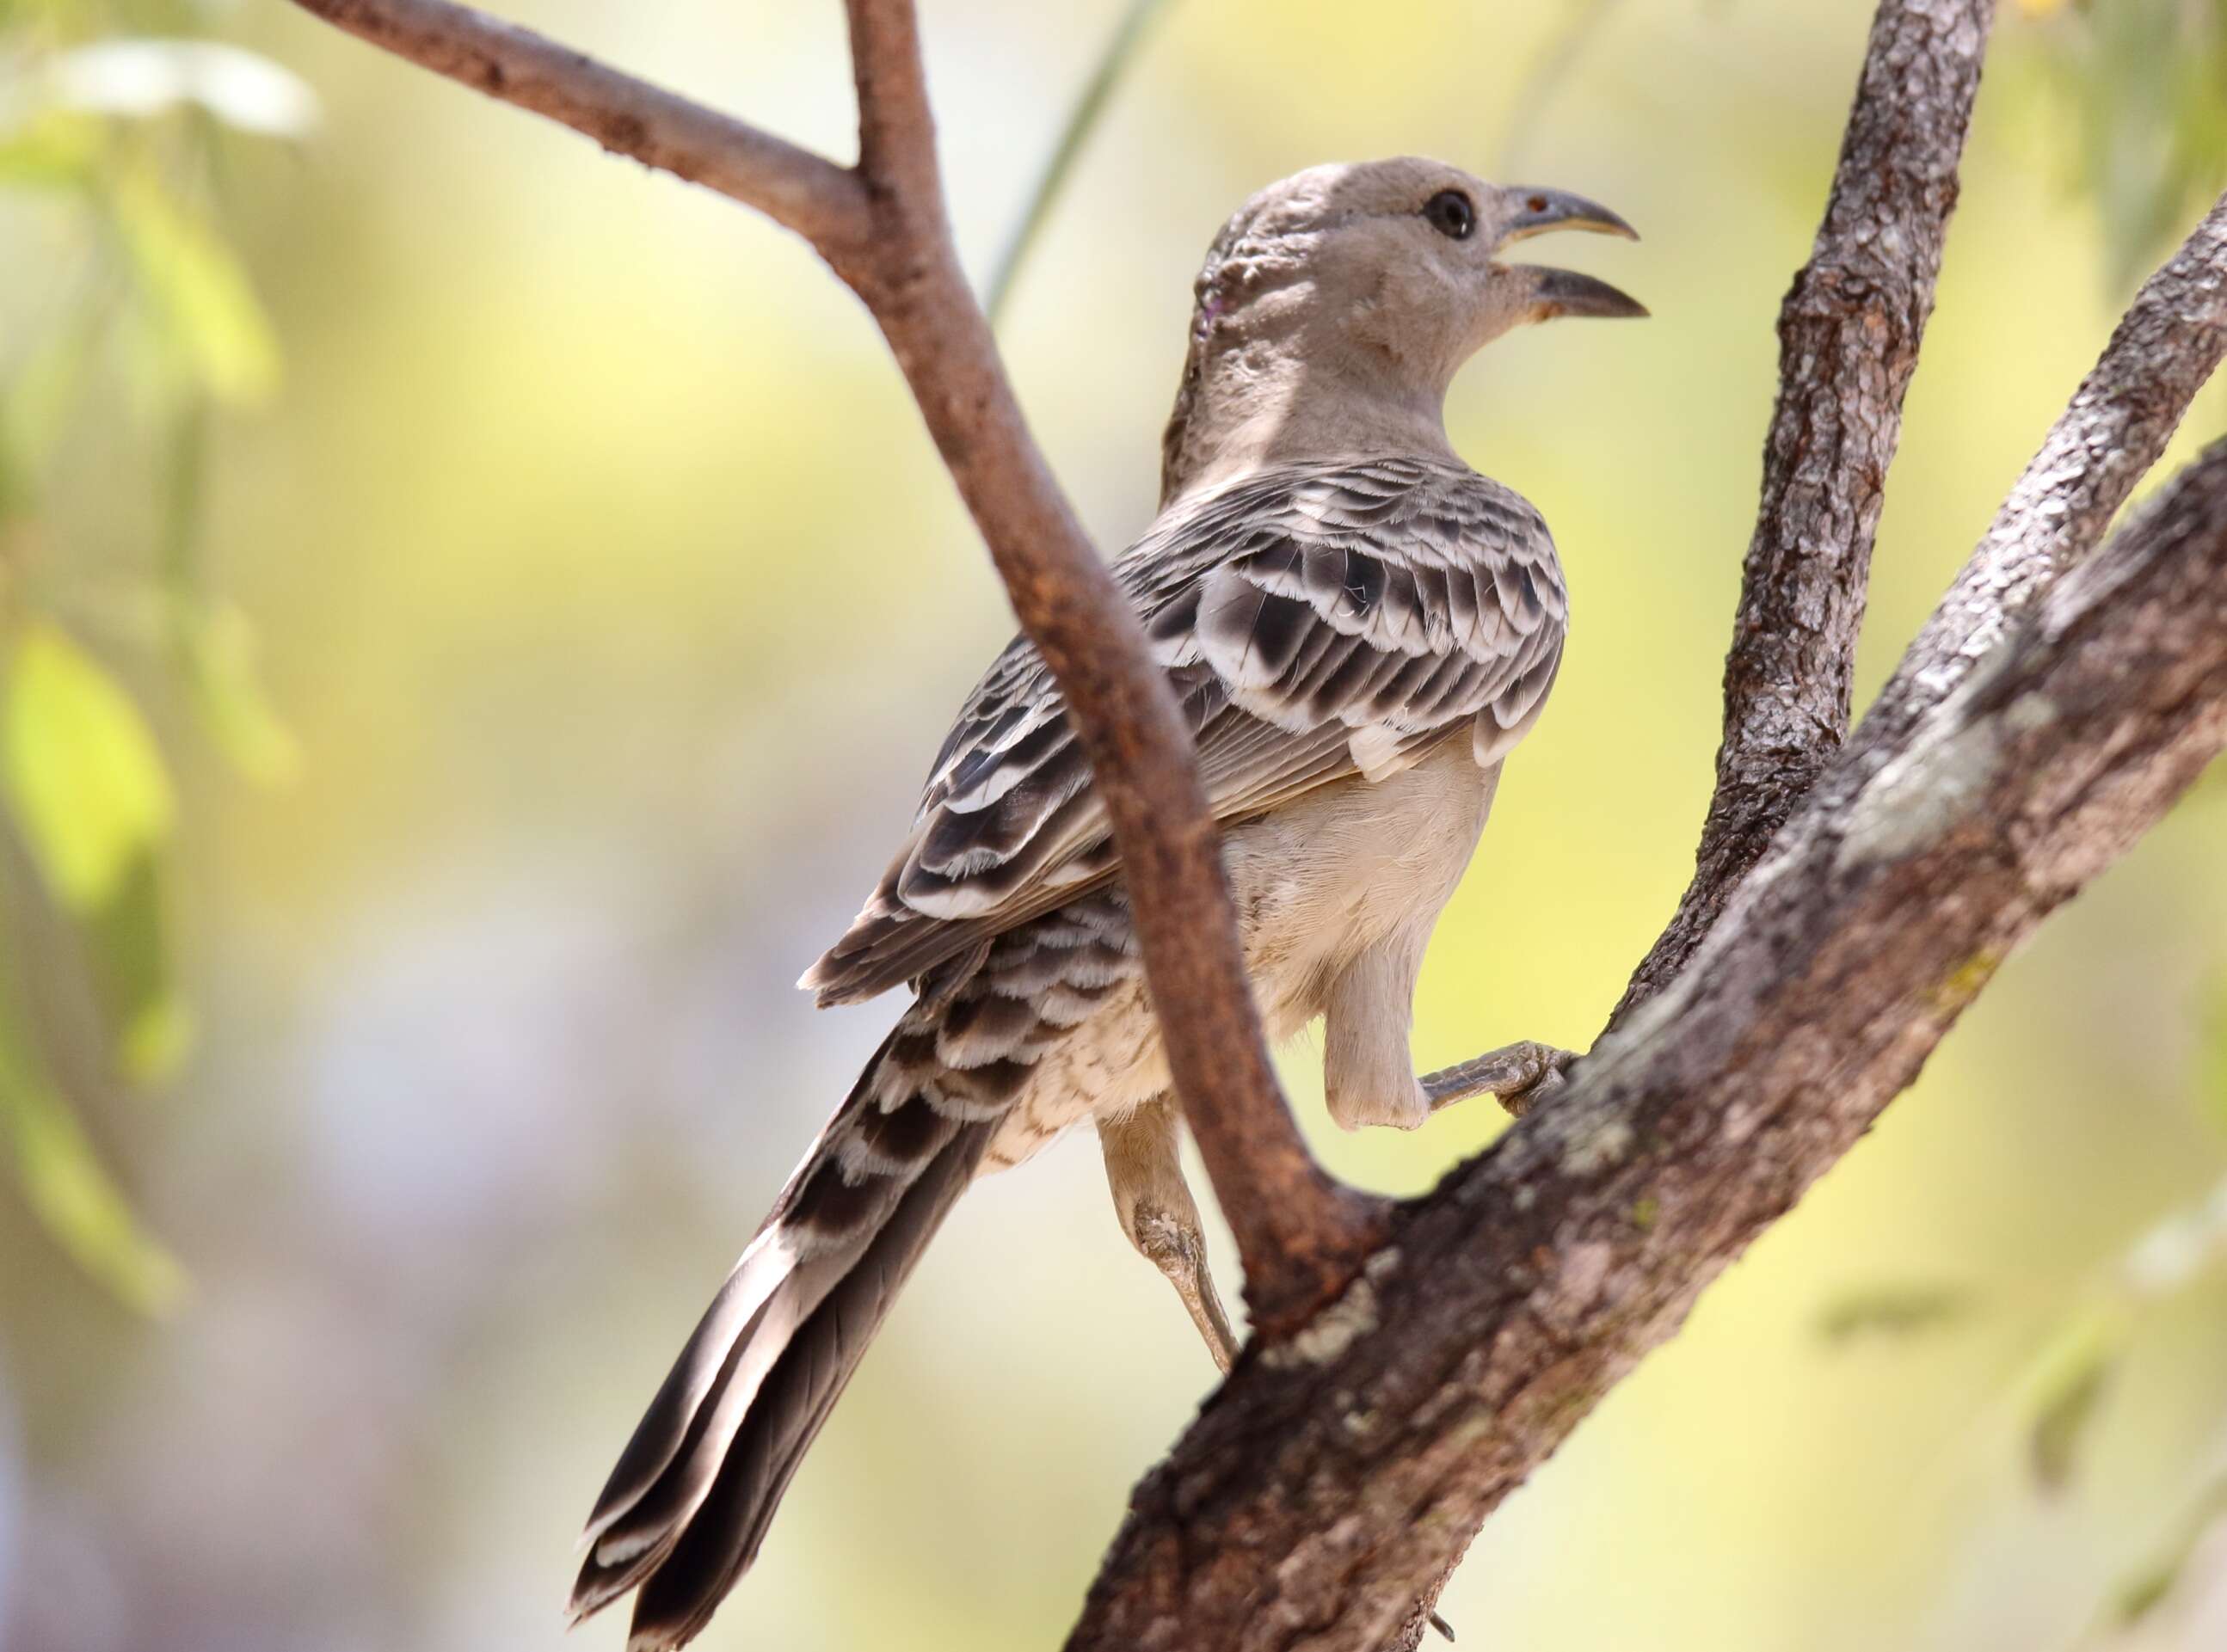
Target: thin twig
1543,82
1112,63
1300,1235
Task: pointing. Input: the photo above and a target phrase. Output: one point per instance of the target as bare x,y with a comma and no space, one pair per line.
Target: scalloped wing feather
1317,621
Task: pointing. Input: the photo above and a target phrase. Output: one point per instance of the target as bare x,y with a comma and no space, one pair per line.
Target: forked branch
1848,333
1847,904
1324,1491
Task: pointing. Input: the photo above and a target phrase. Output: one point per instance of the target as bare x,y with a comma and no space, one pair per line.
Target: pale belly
1314,883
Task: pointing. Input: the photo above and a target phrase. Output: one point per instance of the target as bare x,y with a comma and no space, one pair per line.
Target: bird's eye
1451,214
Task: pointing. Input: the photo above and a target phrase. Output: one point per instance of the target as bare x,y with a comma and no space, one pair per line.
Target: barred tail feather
688,1504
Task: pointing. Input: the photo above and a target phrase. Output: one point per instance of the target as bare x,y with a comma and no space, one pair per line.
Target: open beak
1565,292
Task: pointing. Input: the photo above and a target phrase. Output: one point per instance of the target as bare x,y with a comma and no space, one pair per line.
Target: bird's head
1371,283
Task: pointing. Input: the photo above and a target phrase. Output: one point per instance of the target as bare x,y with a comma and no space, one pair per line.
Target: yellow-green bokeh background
617,601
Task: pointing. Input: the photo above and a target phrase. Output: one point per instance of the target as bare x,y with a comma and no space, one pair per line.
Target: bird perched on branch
1359,628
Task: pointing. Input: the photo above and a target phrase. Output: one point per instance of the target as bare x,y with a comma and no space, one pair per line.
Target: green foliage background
472,620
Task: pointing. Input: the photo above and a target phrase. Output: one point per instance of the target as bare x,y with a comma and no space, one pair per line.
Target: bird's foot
1521,1075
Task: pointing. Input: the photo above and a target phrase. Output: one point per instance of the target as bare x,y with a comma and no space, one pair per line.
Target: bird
1359,629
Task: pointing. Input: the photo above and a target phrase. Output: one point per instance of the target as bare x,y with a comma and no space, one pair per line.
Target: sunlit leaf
2177,1248
201,293
139,78
75,1199
2066,1390
221,654
1897,1310
83,775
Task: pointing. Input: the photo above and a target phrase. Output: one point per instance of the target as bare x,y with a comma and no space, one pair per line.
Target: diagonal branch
1331,1481
2162,352
1300,1233
882,227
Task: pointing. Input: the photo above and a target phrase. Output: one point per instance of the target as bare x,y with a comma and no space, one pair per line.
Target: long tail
684,1511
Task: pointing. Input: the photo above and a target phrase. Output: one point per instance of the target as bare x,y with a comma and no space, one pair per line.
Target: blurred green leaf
69,1192
2066,1388
129,943
40,400
54,150
2143,83
82,772
2146,1589
221,655
1898,1310
1582,23
200,294
142,78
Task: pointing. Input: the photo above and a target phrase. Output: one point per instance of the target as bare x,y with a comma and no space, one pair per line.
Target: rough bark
2162,352
1848,333
1328,1484
882,227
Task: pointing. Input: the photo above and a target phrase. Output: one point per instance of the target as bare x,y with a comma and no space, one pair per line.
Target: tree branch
796,189
1849,332
1331,1481
2162,352
883,228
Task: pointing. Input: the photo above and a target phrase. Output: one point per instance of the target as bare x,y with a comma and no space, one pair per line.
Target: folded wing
1317,622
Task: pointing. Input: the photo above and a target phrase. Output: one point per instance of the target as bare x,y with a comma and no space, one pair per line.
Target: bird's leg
1368,1076
1521,1075
1144,1170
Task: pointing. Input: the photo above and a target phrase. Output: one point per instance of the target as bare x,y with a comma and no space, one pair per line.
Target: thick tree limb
1849,332
1905,790
882,227
1331,1481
